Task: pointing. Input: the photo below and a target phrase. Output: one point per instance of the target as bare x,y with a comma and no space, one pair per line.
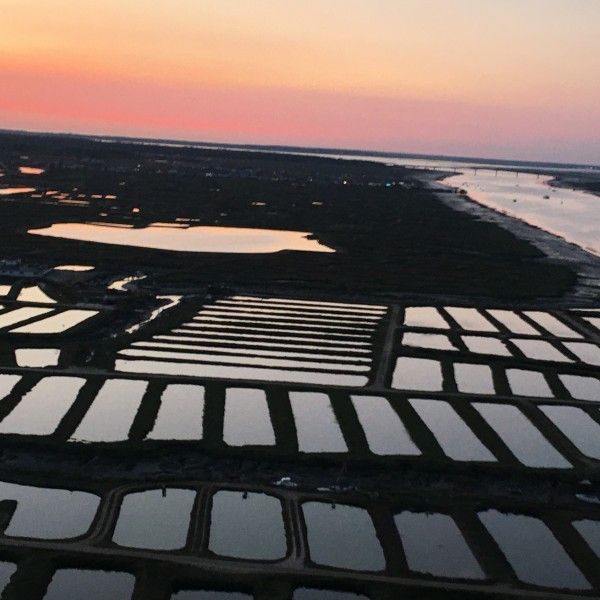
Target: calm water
523,439
189,239
434,544
50,514
239,520
567,213
532,551
157,519
453,435
75,584
342,536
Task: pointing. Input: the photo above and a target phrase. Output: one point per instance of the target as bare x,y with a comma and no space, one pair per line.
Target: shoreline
555,248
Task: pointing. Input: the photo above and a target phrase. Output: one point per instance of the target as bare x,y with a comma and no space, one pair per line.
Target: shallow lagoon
237,240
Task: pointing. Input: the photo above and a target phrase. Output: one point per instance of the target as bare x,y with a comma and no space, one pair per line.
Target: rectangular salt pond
21,314
578,426
180,415
247,525
50,514
243,359
316,425
454,436
523,439
247,419
76,584
156,519
594,321
376,308
418,374
588,353
244,373
287,318
533,552
470,319
293,314
424,316
7,383
383,428
582,388
111,415
57,323
474,379
540,350
513,322
37,357
434,341
433,544
552,324
266,328
42,408
260,342
6,571
485,345
528,383
342,536
34,294
275,353
590,531
302,325
234,240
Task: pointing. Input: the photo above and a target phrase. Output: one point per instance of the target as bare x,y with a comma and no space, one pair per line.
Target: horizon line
289,149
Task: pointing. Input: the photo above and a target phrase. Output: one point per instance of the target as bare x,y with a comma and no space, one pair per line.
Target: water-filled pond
418,374
112,412
533,552
316,424
240,519
434,544
37,357
75,584
528,383
188,239
247,420
514,322
470,319
424,316
42,408
452,434
578,426
342,536
581,387
540,350
383,428
474,379
156,519
180,415
46,513
521,436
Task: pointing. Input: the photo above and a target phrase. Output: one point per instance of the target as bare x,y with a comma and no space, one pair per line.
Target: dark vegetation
391,234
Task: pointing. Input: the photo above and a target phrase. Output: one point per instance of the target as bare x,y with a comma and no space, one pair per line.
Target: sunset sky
495,78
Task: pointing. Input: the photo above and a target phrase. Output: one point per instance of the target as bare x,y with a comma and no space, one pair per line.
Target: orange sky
509,78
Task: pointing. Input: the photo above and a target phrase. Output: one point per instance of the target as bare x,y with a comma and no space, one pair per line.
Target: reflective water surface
239,520
342,536
191,239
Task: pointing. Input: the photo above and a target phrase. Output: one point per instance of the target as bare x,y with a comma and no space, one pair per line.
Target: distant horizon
309,149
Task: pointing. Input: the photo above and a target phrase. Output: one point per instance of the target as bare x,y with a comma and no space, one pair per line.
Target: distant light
388,185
